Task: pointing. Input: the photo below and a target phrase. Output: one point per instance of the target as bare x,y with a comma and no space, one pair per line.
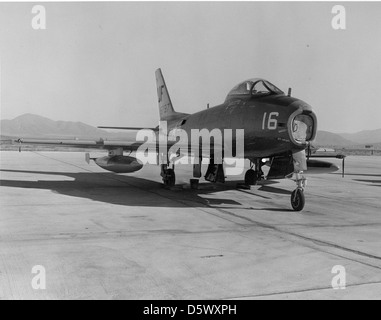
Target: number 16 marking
272,123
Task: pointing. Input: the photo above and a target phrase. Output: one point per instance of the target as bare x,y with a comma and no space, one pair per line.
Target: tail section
165,105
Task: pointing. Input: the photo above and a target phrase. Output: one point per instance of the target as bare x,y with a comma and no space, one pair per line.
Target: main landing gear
253,176
215,173
168,175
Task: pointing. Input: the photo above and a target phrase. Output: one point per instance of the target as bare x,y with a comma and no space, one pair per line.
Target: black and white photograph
190,154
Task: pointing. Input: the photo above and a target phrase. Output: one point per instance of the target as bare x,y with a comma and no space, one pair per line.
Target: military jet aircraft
277,130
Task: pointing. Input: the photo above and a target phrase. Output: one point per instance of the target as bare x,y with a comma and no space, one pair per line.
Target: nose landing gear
297,196
297,199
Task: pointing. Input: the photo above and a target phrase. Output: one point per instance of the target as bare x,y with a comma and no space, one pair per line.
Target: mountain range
34,126
364,137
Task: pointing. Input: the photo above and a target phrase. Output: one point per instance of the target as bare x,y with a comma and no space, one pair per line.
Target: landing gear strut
297,196
168,174
215,172
253,176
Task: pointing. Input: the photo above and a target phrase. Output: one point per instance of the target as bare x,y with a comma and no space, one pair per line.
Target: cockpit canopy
254,87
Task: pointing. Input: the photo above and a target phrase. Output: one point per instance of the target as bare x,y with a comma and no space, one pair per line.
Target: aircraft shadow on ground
374,183
359,174
135,191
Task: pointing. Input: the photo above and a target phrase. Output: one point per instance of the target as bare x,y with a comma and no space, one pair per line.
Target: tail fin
165,105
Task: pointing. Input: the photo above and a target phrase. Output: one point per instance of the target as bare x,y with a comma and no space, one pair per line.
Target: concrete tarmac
99,235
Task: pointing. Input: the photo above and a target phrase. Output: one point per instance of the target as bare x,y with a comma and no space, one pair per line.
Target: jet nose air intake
302,124
302,128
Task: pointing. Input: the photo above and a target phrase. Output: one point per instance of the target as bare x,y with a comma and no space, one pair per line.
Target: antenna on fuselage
207,106
289,92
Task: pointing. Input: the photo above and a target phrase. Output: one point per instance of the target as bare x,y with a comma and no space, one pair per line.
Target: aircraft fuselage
268,122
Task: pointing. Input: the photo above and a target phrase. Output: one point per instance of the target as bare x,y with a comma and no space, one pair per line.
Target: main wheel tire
170,178
297,199
251,177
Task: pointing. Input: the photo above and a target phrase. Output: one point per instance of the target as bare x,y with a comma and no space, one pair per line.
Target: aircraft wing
324,153
127,145
327,153
83,143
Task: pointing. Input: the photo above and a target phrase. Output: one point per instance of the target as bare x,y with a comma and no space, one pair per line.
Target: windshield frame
272,89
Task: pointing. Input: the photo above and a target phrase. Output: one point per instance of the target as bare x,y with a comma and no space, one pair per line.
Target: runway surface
105,236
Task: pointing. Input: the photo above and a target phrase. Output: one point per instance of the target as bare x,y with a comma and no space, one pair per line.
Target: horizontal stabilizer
127,128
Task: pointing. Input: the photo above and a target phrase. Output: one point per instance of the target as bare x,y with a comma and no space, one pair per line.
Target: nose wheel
297,196
297,199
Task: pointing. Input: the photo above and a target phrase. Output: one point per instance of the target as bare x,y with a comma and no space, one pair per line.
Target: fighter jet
277,130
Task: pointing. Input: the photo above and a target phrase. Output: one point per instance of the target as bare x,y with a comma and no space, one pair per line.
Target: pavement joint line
256,223
318,242
300,291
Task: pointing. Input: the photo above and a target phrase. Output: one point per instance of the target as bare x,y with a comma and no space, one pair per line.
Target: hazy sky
95,62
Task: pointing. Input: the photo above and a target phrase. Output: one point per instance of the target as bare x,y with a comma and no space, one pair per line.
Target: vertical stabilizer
165,105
